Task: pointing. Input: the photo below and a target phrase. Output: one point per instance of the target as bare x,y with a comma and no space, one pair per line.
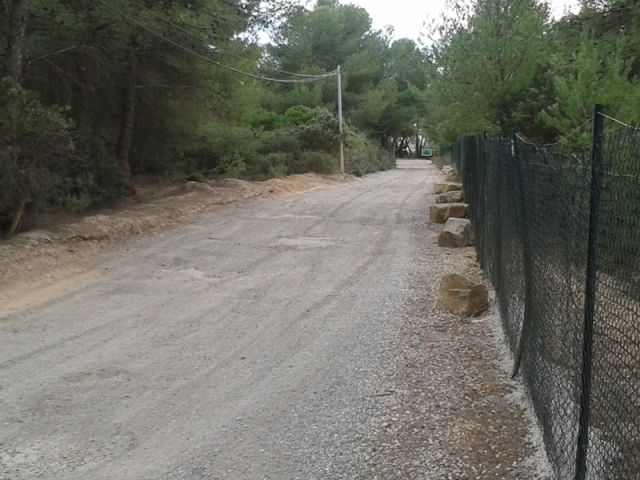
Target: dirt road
249,345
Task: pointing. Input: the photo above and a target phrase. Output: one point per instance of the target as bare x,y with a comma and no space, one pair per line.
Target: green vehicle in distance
427,152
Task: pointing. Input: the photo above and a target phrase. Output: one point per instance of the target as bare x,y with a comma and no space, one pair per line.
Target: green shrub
298,115
284,141
269,166
320,132
363,156
36,144
317,162
268,121
232,166
101,176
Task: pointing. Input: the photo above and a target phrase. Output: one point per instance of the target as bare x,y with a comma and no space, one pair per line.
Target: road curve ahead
244,347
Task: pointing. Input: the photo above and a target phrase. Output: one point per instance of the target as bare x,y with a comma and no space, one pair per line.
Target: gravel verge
446,407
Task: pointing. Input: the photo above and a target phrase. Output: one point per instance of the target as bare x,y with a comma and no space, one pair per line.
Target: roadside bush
232,166
316,162
101,177
270,165
309,139
363,156
267,121
320,132
283,141
35,145
298,115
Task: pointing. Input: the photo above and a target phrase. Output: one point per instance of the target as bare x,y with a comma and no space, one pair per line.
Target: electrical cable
209,60
239,57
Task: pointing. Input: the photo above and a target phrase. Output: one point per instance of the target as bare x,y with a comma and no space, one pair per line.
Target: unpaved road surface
251,345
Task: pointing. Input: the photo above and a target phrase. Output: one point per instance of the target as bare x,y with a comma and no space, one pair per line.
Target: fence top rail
619,122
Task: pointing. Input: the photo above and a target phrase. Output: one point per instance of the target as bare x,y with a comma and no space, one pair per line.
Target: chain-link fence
558,234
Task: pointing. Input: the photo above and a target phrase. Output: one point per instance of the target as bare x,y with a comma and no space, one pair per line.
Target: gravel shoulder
451,410
290,338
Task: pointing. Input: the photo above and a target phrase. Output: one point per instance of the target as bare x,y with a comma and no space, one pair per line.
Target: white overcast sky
408,17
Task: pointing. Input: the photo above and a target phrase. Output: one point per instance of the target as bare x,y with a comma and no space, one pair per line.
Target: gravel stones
454,412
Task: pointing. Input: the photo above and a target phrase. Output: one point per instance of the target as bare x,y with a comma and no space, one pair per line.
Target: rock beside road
451,197
456,233
443,212
462,297
450,174
440,188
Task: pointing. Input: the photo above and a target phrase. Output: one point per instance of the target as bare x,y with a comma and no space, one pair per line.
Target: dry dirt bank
42,264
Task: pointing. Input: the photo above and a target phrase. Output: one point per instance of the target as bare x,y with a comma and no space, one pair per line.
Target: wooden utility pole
417,137
340,126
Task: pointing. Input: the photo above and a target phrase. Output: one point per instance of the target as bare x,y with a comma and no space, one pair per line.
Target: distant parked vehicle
427,152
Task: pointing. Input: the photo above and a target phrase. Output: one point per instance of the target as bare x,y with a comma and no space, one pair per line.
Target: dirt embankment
42,264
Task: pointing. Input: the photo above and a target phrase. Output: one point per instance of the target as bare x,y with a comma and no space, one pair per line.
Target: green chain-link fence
558,234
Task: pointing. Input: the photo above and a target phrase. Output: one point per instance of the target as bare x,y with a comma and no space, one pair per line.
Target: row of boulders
457,294
451,210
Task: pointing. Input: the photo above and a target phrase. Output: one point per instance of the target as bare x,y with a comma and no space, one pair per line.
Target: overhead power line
210,60
200,39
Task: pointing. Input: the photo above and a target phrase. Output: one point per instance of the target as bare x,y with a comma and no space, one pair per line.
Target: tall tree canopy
181,89
505,65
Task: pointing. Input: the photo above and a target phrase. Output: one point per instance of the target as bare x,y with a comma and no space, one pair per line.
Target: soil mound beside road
33,261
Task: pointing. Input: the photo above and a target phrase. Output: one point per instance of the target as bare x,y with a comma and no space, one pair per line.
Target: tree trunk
17,216
18,15
15,38
126,129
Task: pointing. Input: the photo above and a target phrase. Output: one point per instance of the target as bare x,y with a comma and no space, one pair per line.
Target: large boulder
451,176
440,188
462,297
442,212
456,233
450,173
451,197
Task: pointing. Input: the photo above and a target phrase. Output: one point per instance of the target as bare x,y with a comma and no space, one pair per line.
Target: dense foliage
505,65
96,93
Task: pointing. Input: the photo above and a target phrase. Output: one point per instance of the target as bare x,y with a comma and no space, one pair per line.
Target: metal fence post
518,190
480,198
497,230
590,294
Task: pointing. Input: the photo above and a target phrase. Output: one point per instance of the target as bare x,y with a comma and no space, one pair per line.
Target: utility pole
339,74
418,142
